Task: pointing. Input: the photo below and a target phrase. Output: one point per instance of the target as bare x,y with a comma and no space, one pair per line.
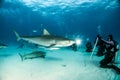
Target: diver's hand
99,37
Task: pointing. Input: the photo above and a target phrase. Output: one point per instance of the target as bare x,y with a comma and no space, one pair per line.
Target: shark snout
70,42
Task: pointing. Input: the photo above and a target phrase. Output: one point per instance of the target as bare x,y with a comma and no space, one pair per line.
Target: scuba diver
74,47
101,48
88,46
111,50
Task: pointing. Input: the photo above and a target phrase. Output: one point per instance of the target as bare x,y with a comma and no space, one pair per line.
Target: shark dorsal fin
45,32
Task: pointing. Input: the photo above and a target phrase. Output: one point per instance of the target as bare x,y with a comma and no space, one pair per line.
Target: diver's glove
99,37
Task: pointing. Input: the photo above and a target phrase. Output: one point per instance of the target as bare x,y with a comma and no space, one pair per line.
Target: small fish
32,55
34,31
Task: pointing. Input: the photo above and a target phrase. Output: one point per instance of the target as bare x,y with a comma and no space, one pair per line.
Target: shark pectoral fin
51,45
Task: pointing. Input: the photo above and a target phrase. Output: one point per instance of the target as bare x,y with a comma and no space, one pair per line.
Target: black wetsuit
109,55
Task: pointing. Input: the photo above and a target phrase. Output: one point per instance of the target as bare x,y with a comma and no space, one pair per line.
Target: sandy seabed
62,64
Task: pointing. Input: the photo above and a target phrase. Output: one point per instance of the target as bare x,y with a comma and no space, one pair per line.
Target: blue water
71,18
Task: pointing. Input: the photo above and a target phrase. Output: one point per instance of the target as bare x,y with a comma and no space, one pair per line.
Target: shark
2,46
32,55
47,40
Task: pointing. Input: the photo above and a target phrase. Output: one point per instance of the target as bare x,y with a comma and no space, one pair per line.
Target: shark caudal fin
21,57
17,35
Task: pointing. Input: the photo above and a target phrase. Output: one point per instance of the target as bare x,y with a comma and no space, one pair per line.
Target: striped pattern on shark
47,40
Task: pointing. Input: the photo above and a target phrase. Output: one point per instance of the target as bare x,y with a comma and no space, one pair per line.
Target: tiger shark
47,40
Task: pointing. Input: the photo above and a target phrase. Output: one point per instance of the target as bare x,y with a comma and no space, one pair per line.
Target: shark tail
22,58
17,35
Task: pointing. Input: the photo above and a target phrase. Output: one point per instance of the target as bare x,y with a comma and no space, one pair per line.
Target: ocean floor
62,64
